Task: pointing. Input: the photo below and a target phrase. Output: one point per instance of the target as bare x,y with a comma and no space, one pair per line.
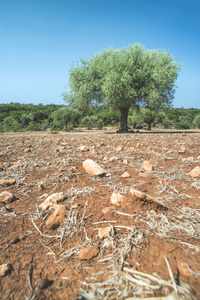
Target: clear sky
40,39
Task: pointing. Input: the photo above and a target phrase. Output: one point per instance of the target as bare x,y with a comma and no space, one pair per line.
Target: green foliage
25,113
56,127
183,123
33,126
148,116
123,79
70,127
66,115
26,119
100,124
45,124
167,123
10,124
196,121
135,118
85,120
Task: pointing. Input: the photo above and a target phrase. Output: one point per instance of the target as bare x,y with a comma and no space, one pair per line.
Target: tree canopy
66,115
124,78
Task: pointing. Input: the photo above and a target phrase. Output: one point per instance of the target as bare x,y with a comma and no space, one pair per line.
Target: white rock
5,269
113,158
103,232
52,201
88,253
195,172
92,168
83,148
126,175
57,217
6,197
118,199
147,166
140,195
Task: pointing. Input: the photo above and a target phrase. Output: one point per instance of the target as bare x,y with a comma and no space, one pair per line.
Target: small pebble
44,283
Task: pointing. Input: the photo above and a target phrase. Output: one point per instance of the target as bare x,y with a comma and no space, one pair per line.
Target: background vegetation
29,117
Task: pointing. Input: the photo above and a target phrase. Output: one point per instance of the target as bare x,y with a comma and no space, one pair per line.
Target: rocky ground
99,215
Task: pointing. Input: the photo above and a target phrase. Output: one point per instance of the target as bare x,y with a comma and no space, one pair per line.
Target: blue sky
39,41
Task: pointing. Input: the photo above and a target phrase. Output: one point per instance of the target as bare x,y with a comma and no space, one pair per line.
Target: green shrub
56,127
10,124
70,127
196,122
33,126
45,124
100,124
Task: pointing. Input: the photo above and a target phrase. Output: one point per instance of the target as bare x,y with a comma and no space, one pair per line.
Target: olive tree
196,121
10,124
66,115
124,78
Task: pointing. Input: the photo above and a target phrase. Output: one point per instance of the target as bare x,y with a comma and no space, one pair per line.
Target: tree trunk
149,126
65,126
123,119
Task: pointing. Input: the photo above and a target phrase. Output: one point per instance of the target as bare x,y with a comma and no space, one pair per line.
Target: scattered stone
5,269
125,161
52,201
113,158
108,210
8,182
35,165
83,148
126,175
182,150
169,158
184,269
108,175
88,253
118,199
92,168
44,283
1,166
152,212
170,151
195,172
40,186
57,217
140,195
6,197
147,166
15,240
27,150
103,232
118,149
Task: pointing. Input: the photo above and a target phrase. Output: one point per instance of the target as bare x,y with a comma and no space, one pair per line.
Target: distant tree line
29,117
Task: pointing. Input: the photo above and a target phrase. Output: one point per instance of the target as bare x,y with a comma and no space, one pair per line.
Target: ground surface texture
151,248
